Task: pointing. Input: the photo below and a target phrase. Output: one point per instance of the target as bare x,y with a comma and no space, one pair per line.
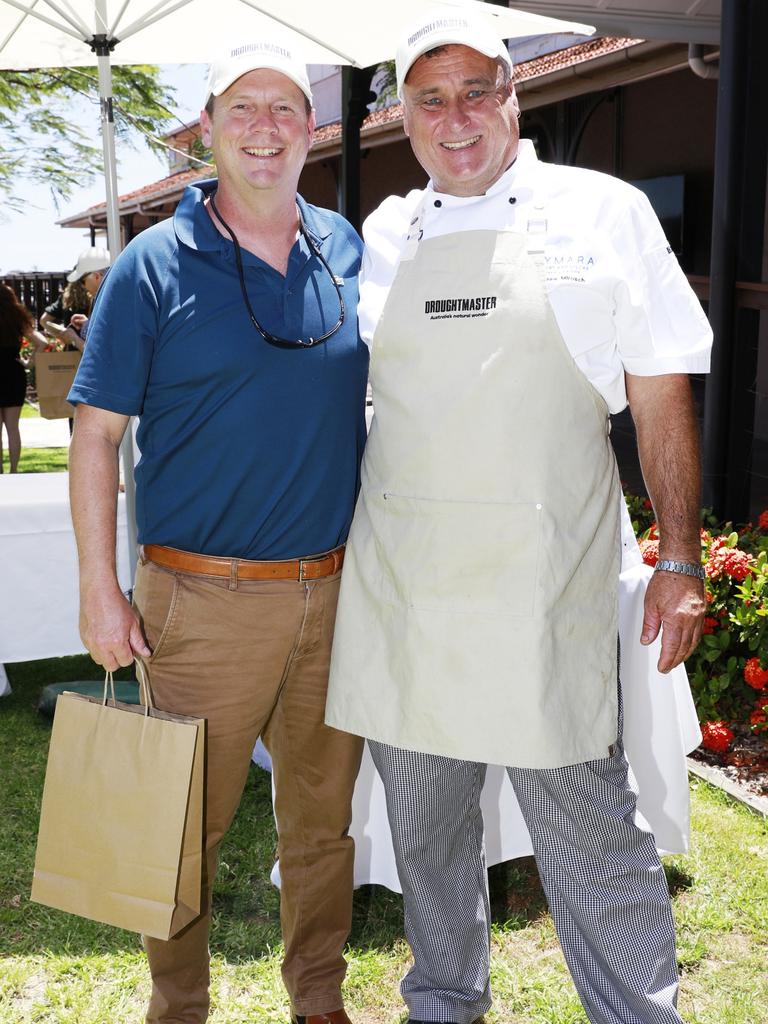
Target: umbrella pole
102,47
108,143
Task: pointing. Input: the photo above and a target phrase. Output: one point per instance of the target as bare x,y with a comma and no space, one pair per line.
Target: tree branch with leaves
40,141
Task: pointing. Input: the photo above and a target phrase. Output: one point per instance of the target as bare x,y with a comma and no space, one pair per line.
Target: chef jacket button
438,202
513,200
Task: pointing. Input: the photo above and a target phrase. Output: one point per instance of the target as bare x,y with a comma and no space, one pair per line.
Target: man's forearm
93,483
108,625
668,445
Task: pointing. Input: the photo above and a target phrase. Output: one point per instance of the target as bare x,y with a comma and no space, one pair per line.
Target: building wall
383,170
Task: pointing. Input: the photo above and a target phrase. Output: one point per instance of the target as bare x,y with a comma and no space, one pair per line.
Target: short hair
211,101
506,71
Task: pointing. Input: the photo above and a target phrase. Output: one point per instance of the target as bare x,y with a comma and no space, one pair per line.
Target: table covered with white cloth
38,579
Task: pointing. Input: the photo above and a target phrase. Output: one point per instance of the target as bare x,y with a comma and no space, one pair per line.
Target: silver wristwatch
683,568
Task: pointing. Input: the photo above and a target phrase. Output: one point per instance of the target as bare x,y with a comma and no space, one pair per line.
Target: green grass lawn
29,410
61,969
39,460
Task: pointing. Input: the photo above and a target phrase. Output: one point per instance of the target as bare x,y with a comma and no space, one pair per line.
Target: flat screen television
667,197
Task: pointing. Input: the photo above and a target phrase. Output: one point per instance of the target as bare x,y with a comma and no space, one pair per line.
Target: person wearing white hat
510,306
67,317
230,331
92,261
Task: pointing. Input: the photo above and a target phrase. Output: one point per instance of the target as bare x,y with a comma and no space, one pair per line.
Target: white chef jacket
619,296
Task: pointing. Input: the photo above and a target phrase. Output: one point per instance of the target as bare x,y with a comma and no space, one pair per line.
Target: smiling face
461,119
260,133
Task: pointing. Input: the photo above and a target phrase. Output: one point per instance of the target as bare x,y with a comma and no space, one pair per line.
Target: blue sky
32,240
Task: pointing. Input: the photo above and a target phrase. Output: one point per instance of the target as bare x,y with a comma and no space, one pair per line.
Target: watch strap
682,568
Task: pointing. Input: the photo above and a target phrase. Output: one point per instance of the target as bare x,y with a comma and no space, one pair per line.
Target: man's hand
110,628
675,605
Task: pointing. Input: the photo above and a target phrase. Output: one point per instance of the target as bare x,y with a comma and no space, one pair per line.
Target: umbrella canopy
59,33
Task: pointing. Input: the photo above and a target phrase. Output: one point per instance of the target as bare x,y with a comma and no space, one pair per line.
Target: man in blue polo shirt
231,332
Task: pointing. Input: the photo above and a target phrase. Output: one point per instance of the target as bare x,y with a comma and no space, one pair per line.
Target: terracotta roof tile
155,189
570,56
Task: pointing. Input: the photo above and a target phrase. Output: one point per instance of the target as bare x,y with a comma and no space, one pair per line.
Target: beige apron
478,610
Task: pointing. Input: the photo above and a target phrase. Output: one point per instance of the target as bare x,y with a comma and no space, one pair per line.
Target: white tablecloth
38,567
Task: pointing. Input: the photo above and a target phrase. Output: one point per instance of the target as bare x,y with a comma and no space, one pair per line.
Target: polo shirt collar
191,222
316,221
195,229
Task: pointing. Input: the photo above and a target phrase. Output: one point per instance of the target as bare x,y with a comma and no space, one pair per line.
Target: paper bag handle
109,682
144,689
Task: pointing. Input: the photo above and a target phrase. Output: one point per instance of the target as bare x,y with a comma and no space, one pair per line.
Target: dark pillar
562,132
737,251
355,96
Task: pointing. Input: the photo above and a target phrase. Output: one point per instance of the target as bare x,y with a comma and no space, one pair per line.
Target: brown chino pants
252,658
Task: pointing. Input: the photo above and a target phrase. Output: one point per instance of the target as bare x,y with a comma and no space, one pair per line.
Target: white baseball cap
88,261
276,54
443,27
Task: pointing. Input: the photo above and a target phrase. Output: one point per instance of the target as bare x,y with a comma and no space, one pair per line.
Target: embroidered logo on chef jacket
459,308
567,268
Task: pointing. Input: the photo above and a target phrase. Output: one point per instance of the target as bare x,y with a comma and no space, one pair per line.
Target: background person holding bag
231,332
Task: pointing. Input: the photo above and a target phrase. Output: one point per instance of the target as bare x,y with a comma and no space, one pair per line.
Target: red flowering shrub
649,549
727,666
755,675
726,559
716,736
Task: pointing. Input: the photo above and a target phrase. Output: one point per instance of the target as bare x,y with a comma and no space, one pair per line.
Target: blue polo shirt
247,450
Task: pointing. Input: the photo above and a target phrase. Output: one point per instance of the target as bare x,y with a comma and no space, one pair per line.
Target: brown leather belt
314,568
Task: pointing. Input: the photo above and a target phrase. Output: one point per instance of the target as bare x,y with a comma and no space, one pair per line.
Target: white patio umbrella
72,33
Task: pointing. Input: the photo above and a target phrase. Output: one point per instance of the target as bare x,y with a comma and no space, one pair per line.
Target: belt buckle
302,563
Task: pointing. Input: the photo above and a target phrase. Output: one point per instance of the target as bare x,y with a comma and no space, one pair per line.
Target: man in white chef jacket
510,307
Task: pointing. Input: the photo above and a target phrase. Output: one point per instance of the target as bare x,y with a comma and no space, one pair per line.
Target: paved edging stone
718,778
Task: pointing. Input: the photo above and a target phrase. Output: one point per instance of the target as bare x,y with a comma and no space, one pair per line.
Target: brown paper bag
121,822
54,373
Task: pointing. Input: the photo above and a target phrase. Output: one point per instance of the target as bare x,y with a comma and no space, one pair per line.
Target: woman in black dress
16,323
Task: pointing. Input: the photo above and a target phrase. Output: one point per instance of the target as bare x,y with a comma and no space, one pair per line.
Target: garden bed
745,763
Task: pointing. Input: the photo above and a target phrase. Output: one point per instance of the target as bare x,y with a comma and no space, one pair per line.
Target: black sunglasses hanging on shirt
315,250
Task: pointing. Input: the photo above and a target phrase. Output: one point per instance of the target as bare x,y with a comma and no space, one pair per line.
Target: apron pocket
468,557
